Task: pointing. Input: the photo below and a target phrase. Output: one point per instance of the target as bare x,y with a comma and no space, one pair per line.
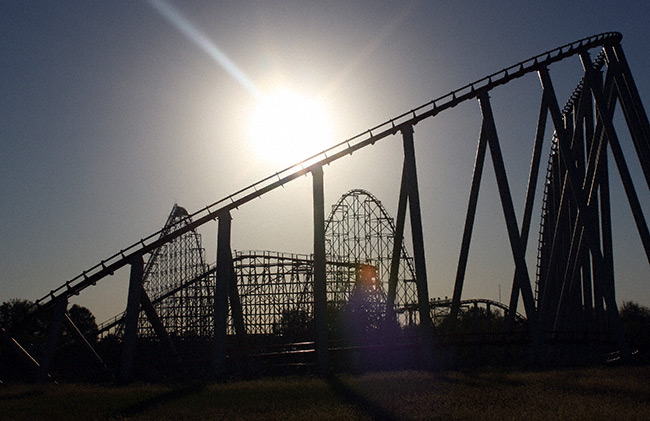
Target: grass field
587,393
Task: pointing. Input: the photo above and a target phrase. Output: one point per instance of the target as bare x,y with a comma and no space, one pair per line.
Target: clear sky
112,112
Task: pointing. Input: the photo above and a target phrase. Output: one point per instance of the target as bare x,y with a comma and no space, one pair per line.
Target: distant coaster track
391,127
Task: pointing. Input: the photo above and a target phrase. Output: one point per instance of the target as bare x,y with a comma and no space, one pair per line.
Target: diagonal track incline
347,147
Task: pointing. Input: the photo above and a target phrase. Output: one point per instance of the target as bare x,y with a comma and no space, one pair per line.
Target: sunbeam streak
284,126
203,42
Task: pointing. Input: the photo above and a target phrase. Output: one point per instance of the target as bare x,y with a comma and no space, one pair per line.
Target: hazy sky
111,113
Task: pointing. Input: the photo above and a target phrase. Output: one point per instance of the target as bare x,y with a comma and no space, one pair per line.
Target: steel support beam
528,206
398,241
53,335
21,353
411,186
605,115
608,248
632,105
320,277
636,132
235,303
559,203
580,176
516,245
91,350
587,141
569,306
631,86
224,269
581,185
158,326
348,147
237,312
594,294
131,320
469,227
582,201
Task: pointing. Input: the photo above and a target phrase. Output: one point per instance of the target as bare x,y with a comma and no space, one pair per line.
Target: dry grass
592,393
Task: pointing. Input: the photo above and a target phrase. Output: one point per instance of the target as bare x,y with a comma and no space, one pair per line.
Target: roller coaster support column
398,240
320,278
605,115
635,115
24,356
224,268
469,227
53,336
158,327
409,187
582,197
237,313
528,207
131,319
93,353
516,244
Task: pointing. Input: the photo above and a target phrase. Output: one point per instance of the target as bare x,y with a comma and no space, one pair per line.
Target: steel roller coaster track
571,232
391,127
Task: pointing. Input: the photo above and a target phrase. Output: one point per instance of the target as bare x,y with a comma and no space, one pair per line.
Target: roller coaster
360,262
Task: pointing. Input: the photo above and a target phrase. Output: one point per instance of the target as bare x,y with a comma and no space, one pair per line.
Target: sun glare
286,127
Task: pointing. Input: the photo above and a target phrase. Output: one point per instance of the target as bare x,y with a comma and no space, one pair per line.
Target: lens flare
286,127
199,39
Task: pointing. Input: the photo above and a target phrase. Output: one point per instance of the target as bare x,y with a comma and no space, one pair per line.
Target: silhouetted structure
248,294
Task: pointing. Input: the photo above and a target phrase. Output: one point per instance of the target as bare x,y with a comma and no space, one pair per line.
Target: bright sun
286,127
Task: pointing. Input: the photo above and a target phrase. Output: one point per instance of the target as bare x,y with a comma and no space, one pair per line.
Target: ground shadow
351,396
143,406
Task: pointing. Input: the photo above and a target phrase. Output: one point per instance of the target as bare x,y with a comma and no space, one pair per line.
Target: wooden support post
320,278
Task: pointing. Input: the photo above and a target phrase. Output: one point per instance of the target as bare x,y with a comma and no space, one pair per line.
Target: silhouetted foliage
295,325
85,322
636,324
335,327
473,320
28,329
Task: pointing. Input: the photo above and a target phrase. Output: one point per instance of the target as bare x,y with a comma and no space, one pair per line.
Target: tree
13,311
294,325
85,322
636,324
28,329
